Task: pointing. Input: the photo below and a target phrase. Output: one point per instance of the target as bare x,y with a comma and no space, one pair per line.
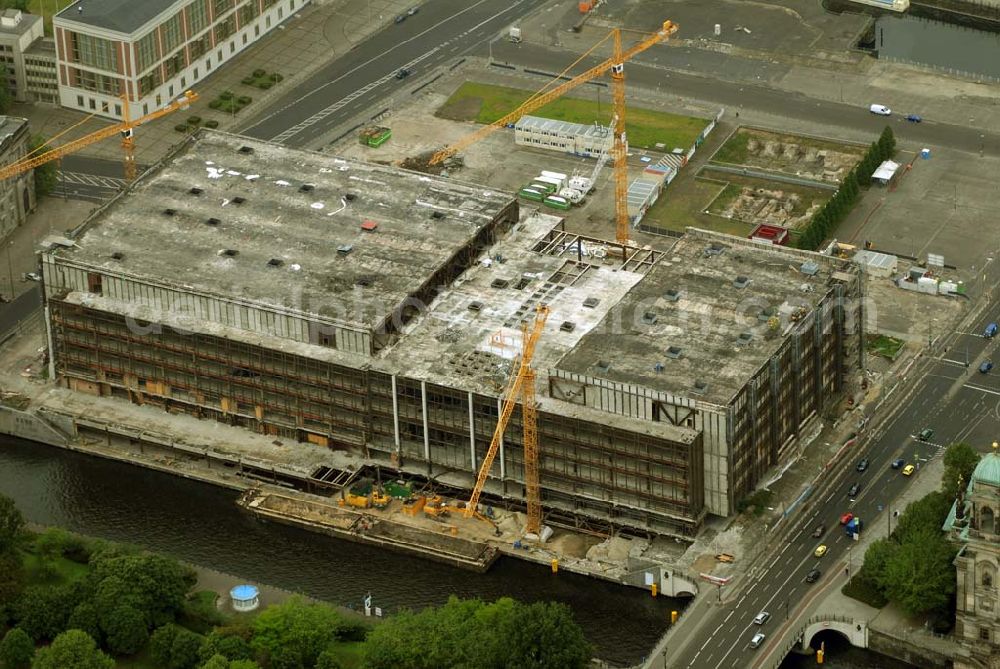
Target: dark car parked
898,463
813,576
403,73
862,464
855,489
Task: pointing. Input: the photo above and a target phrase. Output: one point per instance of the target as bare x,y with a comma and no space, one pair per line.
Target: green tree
84,617
11,582
921,577
14,4
469,633
184,650
216,662
43,611
6,99
125,630
153,584
243,664
47,174
230,644
72,650
328,660
960,460
11,523
295,632
925,515
16,649
887,143
161,642
877,558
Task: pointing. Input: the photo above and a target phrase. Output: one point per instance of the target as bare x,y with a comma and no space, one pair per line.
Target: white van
881,110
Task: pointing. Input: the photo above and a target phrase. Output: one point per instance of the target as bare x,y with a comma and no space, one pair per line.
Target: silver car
761,618
757,640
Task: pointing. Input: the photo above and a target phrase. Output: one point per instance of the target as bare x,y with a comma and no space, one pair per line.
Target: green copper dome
988,469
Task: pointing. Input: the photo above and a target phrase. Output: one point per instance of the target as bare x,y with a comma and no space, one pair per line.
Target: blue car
898,463
986,366
990,331
913,118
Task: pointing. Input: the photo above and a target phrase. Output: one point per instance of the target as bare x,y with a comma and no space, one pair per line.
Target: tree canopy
920,577
16,649
72,650
11,524
293,634
470,633
960,461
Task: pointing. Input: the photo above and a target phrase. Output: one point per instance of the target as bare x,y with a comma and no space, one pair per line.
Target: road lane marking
730,615
981,389
323,113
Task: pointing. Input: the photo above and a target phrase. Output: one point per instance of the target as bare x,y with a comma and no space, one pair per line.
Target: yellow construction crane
619,149
521,385
125,129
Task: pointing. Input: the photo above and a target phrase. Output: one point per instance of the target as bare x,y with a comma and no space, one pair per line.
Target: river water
201,524
944,46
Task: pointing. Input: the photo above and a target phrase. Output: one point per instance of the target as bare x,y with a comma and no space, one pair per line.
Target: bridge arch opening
833,640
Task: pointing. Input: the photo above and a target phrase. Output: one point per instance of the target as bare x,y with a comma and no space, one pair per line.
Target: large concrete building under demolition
378,311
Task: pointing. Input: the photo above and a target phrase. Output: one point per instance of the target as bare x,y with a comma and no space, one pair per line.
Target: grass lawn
51,571
885,346
46,8
645,128
683,204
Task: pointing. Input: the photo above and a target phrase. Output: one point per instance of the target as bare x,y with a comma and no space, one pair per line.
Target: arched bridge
855,631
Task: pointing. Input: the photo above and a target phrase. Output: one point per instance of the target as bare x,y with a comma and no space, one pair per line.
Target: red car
846,518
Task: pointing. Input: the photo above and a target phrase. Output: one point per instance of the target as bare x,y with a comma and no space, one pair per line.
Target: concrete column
472,437
395,412
427,433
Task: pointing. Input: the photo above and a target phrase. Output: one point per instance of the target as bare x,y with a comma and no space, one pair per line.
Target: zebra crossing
96,181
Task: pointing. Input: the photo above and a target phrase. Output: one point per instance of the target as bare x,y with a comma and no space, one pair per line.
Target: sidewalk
309,40
52,216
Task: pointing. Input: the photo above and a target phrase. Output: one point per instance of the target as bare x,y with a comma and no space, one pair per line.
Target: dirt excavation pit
773,207
805,161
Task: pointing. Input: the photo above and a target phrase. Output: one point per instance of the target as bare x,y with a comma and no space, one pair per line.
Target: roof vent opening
213,221
229,253
567,326
674,352
117,255
700,387
744,338
649,318
350,197
196,191
714,249
523,282
246,150
365,281
344,249
275,262
307,188
741,281
169,212
239,200
437,215
591,302
658,368
476,305
602,366
672,295
500,283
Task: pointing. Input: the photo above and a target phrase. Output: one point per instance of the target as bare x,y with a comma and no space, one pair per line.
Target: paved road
954,400
439,35
91,179
657,69
14,312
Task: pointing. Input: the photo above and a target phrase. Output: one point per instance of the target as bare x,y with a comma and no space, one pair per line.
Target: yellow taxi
820,550
908,470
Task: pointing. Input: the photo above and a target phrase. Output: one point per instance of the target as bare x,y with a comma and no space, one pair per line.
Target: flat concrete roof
124,16
237,217
701,314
